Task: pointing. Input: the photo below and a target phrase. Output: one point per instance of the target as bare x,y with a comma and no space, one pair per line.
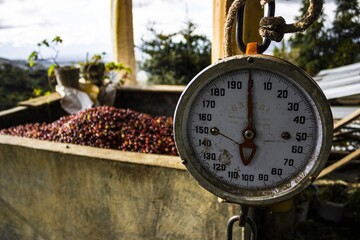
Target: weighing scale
253,129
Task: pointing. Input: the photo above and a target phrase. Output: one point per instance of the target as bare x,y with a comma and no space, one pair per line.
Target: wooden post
123,35
251,26
220,8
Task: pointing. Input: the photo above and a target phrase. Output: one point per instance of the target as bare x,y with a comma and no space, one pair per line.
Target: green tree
309,49
18,84
346,33
321,48
175,58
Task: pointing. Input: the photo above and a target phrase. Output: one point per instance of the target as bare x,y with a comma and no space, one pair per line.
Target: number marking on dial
277,107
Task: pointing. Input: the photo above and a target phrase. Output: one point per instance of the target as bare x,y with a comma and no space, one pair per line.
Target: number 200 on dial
253,129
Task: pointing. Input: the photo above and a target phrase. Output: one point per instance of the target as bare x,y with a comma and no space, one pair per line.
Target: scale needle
249,133
216,131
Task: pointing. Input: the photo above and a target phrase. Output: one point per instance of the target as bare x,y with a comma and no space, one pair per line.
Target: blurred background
84,25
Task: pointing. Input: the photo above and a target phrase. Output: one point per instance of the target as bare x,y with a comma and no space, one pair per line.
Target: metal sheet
340,82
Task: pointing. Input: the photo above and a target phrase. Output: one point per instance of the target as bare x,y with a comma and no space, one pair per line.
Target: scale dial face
253,129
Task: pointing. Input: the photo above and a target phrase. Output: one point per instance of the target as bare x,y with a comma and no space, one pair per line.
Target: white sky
84,25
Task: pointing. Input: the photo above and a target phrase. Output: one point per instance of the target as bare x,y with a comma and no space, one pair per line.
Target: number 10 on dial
253,129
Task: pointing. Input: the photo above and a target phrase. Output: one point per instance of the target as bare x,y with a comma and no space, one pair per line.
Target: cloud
85,24
8,26
141,3
21,26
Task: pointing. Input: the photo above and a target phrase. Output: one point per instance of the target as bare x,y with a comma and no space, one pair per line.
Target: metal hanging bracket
243,219
240,28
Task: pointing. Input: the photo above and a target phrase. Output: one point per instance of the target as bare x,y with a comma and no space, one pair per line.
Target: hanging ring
235,219
240,28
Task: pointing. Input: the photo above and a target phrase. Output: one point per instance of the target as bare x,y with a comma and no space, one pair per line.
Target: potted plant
67,76
331,201
95,70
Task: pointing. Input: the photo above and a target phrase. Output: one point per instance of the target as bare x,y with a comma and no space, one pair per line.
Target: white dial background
285,119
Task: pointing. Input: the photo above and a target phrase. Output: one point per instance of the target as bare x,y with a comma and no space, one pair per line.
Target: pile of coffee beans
106,127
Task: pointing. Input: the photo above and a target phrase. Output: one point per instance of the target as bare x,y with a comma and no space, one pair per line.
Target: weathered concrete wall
60,191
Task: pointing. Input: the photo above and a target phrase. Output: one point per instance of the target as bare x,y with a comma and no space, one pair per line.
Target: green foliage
354,203
17,84
32,58
308,49
321,48
110,66
283,53
94,58
334,193
97,57
37,56
175,58
346,33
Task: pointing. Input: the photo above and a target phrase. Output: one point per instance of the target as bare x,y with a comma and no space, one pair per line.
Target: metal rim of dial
256,196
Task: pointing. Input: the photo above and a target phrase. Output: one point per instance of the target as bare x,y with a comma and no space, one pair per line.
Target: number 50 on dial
253,129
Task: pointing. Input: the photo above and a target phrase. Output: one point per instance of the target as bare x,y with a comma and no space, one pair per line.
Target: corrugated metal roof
340,82
339,112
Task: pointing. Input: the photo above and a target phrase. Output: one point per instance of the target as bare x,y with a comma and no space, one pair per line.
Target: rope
272,27
231,16
275,27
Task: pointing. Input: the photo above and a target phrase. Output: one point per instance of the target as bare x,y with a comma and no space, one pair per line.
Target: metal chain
271,27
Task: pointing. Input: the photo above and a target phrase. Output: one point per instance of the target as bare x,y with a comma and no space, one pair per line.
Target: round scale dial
253,129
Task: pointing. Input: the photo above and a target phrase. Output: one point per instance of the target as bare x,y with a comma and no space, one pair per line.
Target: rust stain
225,157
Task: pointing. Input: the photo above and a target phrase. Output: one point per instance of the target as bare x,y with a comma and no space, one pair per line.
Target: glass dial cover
253,129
